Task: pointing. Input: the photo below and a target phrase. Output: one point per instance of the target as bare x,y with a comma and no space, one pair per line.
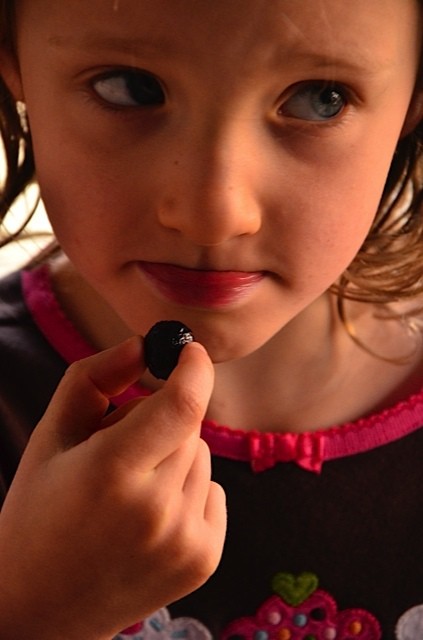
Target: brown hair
389,265
20,169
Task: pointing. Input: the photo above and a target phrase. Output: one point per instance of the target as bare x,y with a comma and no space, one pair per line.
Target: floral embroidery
301,611
298,611
160,626
410,625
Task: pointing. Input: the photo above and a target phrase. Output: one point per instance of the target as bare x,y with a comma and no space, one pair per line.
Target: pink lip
195,287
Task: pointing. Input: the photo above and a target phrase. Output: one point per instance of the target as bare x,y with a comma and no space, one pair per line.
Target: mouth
200,288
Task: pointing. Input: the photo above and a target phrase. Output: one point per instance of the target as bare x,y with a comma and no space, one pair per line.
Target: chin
225,336
228,346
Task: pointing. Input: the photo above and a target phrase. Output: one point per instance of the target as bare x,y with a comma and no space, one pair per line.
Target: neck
313,375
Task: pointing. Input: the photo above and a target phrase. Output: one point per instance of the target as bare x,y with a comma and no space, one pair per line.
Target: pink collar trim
263,450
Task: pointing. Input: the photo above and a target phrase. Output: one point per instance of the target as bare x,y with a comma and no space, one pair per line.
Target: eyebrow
102,42
99,42
358,64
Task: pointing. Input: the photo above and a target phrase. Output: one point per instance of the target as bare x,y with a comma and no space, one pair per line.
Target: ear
414,114
9,71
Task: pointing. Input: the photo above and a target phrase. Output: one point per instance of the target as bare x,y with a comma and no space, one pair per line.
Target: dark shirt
329,555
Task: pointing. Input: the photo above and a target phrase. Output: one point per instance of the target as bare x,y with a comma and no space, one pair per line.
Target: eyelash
332,91
129,77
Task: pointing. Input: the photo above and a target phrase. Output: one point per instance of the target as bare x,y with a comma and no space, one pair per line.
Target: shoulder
11,299
29,373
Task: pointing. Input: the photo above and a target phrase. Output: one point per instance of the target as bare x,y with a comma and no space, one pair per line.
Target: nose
211,196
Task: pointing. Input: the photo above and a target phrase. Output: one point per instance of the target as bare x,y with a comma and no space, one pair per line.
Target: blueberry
163,344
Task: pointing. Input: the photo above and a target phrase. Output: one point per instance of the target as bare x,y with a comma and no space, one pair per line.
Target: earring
23,115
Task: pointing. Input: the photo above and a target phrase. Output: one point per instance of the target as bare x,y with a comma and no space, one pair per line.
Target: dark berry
162,346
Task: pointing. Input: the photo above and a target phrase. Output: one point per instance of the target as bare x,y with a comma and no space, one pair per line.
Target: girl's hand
109,519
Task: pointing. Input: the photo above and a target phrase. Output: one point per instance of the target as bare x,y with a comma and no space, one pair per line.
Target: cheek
333,215
90,207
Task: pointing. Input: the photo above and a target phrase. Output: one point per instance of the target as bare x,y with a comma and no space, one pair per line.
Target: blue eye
129,88
315,102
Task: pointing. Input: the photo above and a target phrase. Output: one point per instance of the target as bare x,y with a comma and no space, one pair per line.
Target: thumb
157,426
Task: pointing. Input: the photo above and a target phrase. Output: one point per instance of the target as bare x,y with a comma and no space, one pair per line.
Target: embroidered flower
160,626
300,610
410,625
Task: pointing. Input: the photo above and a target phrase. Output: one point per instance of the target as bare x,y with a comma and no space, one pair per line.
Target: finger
178,465
158,425
215,518
215,511
197,480
82,397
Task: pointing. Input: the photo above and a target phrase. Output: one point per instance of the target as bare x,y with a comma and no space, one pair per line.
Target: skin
228,174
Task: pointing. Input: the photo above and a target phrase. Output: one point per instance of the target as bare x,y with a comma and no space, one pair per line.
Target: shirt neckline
262,449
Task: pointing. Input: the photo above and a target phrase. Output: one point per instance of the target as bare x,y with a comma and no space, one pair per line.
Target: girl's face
214,162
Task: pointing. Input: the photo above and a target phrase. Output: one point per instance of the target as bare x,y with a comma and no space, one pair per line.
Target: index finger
83,395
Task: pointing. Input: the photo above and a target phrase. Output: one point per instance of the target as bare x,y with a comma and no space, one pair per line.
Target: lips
200,288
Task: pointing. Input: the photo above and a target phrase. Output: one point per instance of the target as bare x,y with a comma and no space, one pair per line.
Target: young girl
252,169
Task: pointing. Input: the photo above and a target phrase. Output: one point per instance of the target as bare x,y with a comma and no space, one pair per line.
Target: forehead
372,30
